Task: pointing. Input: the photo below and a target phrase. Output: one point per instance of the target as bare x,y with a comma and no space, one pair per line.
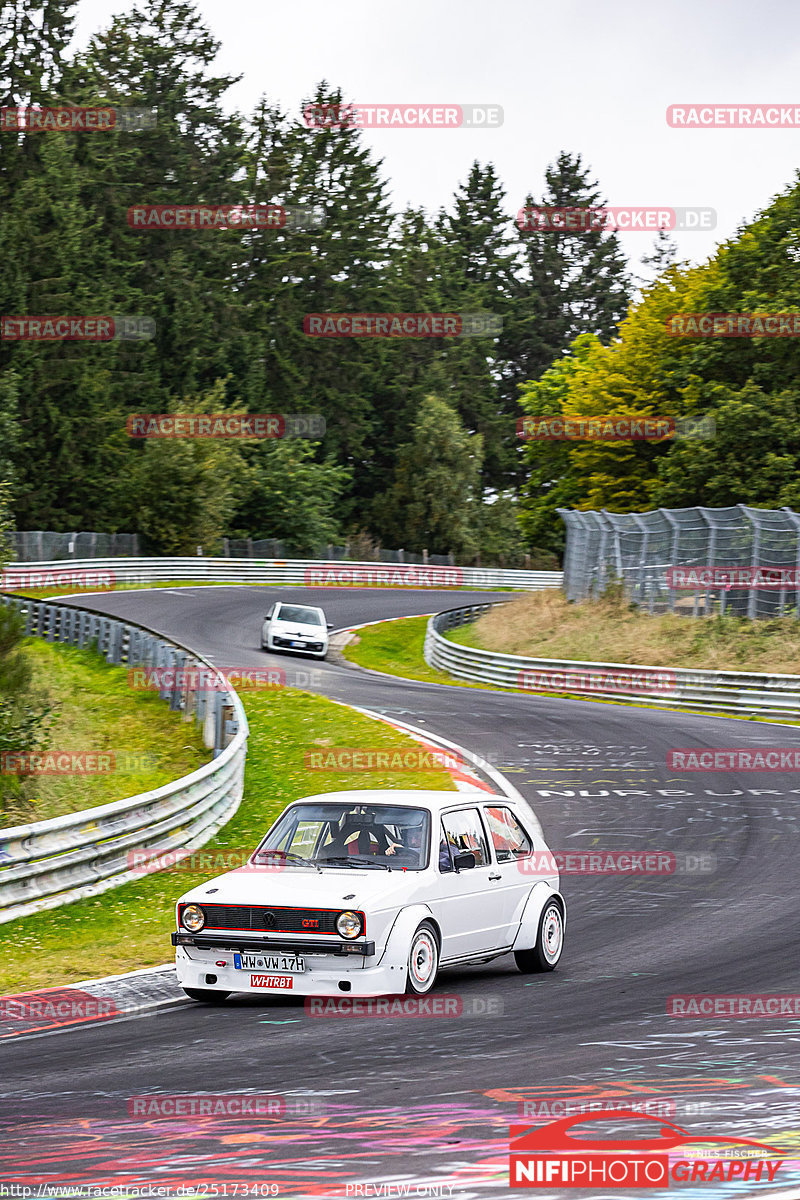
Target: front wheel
423,960
206,995
549,942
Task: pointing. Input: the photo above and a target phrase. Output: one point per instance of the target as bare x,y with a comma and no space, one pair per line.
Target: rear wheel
423,960
549,942
206,995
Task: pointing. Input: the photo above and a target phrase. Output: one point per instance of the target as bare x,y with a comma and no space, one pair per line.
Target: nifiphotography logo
551,1156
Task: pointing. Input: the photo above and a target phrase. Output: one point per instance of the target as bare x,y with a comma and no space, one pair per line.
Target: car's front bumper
283,646
197,966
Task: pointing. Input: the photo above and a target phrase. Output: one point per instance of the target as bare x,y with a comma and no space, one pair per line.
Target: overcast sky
576,75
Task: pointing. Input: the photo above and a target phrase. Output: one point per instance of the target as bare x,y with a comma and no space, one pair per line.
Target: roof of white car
410,798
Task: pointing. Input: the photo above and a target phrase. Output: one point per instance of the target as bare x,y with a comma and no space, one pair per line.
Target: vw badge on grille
270,920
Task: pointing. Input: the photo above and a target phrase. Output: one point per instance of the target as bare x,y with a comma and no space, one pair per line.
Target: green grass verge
395,647
129,926
96,711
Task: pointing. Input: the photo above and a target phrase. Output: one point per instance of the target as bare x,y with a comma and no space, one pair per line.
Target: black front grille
263,919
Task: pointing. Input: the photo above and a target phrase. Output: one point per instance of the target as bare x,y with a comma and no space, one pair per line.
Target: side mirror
330,626
464,860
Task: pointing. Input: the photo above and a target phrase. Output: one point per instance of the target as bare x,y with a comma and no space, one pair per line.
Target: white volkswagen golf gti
301,628
369,893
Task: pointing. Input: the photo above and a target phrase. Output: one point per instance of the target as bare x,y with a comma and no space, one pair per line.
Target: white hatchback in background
297,628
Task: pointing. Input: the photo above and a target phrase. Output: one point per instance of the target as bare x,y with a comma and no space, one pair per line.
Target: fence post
676,537
795,520
712,552
751,599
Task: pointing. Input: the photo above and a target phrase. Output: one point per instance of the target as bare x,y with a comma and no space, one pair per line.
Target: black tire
425,949
549,942
206,995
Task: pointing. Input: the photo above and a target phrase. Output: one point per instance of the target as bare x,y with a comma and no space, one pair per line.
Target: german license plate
282,983
300,645
269,962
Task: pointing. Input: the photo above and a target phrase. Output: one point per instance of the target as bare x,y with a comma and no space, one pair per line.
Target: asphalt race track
428,1102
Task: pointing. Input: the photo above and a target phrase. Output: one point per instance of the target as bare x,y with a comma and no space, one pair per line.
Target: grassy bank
129,927
544,625
394,647
97,712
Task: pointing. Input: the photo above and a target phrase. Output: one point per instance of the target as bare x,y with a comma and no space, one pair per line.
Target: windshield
303,616
342,836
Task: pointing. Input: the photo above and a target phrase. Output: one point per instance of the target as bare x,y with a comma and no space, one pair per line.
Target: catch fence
695,561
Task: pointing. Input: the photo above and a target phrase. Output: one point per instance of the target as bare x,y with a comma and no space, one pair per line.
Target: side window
271,613
509,838
465,832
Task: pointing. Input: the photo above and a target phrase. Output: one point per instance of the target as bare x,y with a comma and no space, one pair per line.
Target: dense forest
420,449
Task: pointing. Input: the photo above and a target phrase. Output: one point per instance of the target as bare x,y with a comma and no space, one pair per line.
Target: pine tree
480,261
574,281
437,487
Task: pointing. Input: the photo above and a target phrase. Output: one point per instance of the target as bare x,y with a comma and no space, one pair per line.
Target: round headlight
349,924
193,918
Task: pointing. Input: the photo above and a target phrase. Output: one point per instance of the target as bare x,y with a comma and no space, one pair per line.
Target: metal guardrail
711,691
49,863
306,572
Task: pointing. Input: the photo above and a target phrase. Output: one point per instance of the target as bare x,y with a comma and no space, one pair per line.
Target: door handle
495,876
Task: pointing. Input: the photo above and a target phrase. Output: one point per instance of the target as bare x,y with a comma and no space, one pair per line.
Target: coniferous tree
574,281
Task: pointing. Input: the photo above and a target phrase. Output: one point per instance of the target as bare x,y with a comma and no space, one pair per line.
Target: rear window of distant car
303,616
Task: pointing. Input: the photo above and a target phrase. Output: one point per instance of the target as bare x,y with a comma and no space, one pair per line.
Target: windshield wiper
294,858
356,860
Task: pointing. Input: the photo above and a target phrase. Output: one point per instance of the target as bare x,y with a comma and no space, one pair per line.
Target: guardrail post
31,618
176,694
114,653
